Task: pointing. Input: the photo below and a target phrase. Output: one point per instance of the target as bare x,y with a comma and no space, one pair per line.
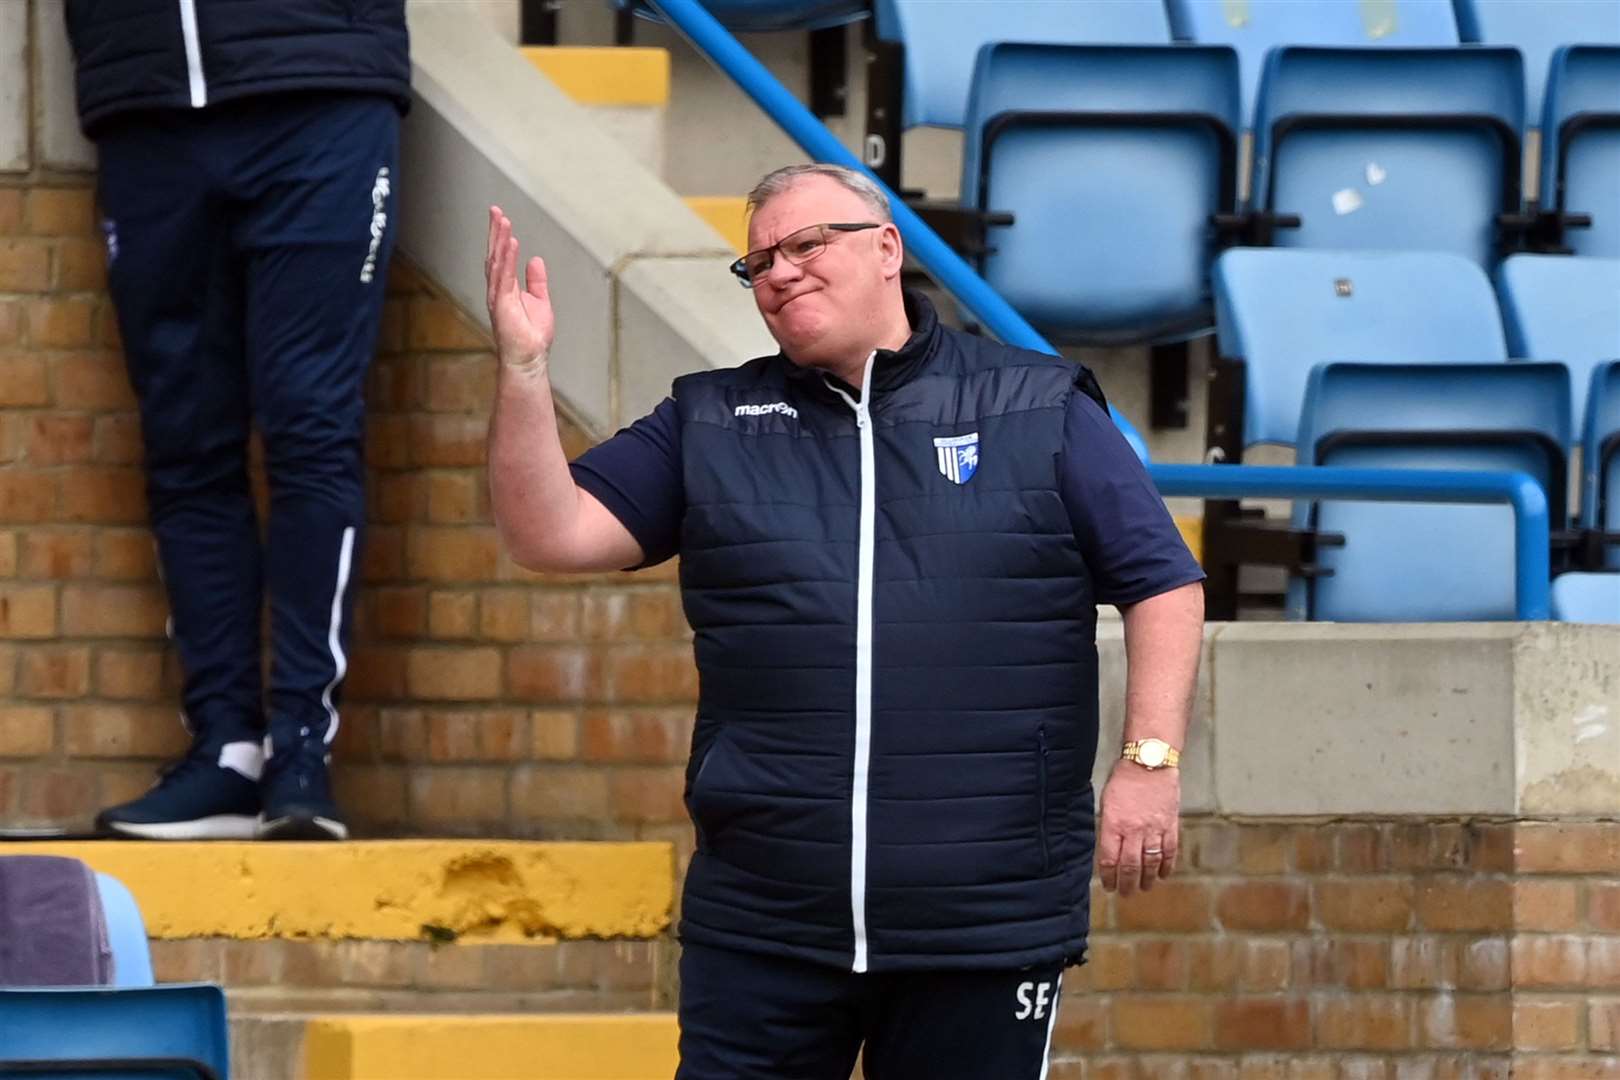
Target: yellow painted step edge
1192,531
474,891
726,214
605,76
440,1047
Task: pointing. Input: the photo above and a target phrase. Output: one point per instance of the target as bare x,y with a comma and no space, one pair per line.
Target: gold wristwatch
1151,754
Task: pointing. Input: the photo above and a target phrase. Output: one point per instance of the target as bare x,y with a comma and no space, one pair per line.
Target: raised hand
520,317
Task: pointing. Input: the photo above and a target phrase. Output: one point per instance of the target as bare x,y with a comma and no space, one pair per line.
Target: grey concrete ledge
1512,720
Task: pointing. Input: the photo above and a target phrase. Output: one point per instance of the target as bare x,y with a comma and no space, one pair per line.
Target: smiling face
841,304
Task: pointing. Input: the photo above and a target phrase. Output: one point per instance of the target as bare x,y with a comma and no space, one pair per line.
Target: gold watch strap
1131,751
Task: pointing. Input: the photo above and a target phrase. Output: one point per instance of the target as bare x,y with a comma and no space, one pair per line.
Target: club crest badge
958,457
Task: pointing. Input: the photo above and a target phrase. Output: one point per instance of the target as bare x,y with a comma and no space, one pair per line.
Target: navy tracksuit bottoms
746,1016
247,249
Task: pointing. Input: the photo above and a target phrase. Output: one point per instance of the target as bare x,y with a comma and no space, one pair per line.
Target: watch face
1152,753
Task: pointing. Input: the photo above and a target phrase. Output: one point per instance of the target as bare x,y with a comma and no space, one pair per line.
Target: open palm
521,318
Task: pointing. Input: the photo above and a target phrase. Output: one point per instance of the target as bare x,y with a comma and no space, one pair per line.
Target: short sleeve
1130,542
637,475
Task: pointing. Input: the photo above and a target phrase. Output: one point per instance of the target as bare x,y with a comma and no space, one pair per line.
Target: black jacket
895,639
176,54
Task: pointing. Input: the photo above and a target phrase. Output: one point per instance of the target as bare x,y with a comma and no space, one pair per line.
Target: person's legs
315,238
962,1025
751,1017
179,304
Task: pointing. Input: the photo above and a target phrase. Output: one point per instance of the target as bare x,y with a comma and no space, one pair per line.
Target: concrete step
490,1046
626,90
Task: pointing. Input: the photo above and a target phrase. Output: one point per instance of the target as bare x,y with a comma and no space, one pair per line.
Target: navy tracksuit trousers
247,249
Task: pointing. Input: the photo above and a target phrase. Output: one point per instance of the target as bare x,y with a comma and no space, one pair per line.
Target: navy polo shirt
1131,546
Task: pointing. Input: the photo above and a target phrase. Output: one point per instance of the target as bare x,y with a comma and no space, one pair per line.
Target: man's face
813,310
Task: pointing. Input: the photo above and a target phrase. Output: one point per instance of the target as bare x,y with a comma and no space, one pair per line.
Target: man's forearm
1164,636
532,493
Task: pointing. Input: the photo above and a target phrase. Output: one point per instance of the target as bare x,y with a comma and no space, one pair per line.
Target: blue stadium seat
942,39
126,931
742,16
1600,456
1580,143
1586,598
1561,308
1536,28
1280,313
1112,160
108,1033
1254,27
1391,148
1427,562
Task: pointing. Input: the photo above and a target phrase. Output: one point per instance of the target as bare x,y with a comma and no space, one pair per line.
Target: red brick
59,440
561,793
95,731
104,494
1548,962
1603,906
27,611
129,674
456,498
1251,1024
1264,905
452,554
1459,904
1374,904
125,555
1365,1022
27,496
1569,847
453,615
399,612
1466,1021
1482,964
554,735
645,613
57,553
1603,963
22,381
448,440
457,796
11,322
92,380
8,670
1162,1023
1564,1067
503,614
113,611
434,325
460,384
650,674
648,794
1545,905
1361,848
1542,1024
1161,964
106,329
1171,905
486,735
554,615
1264,849
375,673
26,731
1422,963
11,211
1082,1024
61,212
373,796
81,265
398,497
388,442
384,557
58,795
25,266
1603,1025
1215,964
450,674
61,323
548,674
652,736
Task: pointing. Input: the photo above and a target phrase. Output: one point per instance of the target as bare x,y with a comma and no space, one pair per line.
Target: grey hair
779,181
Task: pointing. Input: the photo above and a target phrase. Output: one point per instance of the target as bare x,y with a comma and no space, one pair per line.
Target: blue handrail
1532,538
1531,558
944,265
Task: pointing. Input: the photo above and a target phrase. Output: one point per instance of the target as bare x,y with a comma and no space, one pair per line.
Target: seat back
1600,455
1255,27
1558,308
741,16
1390,148
942,39
1586,598
100,1027
1536,28
1145,141
1429,562
1283,312
1580,143
53,930
126,933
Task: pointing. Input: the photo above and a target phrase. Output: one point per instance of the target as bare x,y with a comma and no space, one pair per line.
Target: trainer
893,538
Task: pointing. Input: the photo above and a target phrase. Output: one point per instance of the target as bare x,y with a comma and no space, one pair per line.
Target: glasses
797,248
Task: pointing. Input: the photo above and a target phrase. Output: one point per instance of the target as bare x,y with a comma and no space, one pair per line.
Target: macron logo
765,410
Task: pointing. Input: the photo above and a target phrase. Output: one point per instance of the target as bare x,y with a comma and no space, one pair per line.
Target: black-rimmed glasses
797,247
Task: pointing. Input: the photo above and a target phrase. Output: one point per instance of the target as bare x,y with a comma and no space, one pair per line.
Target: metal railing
1532,528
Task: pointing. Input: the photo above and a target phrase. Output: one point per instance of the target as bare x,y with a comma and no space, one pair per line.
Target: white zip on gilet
194,68
863,663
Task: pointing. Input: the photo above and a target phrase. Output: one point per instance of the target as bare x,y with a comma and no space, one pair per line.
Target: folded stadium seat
1279,314
1426,562
126,933
1536,28
1559,308
1254,27
1600,459
1111,160
743,16
171,1032
1391,148
1580,144
1586,598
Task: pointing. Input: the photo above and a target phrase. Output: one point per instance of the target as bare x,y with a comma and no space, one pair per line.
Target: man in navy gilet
248,177
893,538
